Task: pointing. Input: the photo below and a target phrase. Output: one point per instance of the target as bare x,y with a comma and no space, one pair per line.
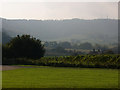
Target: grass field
52,77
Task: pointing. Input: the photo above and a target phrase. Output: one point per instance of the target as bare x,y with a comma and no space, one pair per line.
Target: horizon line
57,19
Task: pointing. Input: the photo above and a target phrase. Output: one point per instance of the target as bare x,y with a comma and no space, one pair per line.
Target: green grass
52,77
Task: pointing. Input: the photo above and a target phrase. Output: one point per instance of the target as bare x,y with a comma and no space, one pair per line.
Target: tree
24,46
108,52
65,44
59,49
86,45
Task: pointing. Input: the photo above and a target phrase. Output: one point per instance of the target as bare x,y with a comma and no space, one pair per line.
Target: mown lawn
52,77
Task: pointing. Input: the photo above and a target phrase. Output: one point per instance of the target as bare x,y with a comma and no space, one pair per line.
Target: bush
24,47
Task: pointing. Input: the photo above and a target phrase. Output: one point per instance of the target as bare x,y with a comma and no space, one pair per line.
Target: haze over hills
97,30
5,37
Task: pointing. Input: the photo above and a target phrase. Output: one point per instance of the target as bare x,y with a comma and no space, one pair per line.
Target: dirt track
6,67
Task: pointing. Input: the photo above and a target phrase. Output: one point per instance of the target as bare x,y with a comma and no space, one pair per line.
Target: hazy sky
59,10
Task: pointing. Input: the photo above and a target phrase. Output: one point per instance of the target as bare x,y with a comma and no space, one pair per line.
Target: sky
59,10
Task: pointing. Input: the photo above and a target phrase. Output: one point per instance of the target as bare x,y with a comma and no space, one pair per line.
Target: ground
58,77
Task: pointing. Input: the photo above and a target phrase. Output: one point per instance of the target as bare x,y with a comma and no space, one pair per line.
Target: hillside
97,30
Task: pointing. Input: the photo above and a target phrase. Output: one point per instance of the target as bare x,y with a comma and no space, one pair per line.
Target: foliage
90,61
85,61
86,46
24,47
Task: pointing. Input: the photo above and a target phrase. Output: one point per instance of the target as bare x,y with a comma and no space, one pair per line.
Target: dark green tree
24,46
65,44
86,45
108,52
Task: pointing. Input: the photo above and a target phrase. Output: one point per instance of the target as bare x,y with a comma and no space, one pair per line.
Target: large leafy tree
24,46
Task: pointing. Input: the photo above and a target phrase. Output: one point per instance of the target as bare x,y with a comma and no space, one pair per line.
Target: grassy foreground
51,77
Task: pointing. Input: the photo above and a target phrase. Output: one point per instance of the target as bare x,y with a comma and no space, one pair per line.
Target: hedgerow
87,61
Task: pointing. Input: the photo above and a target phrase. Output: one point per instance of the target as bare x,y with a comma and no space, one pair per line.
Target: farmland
59,77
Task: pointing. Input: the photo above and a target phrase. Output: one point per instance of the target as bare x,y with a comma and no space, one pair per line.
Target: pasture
59,77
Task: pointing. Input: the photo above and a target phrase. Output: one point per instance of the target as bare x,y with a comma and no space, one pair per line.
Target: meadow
60,77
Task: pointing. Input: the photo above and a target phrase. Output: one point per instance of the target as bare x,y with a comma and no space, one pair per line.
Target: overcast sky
59,10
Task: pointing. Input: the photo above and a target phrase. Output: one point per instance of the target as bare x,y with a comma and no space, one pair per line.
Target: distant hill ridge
96,30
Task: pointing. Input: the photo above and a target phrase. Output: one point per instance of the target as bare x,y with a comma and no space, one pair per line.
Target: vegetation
24,47
27,50
54,48
89,61
50,77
